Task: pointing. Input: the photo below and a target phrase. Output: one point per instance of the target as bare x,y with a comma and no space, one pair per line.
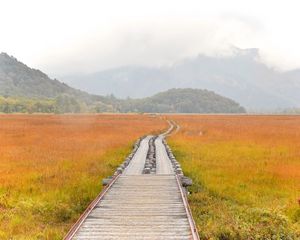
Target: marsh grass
246,173
51,167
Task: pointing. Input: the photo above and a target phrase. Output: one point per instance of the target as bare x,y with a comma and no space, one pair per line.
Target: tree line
171,101
60,104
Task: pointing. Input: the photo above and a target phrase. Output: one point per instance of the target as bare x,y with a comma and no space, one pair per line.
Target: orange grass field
246,170
51,167
246,173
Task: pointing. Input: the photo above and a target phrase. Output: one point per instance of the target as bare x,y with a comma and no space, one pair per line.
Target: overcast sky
64,37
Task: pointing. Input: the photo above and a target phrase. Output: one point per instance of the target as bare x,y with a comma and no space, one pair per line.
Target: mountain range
240,76
23,89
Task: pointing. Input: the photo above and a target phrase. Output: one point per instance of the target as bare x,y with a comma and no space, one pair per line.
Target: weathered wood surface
163,163
139,207
137,163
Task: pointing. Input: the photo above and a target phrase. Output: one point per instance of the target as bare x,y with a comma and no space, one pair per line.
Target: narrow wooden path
140,206
136,165
163,163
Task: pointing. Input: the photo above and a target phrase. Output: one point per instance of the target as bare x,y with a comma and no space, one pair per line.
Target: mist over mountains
27,90
241,77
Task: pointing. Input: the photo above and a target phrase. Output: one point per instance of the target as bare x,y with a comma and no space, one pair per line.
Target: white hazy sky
63,37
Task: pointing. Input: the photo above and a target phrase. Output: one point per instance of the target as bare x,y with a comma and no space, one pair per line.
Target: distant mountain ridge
240,77
24,89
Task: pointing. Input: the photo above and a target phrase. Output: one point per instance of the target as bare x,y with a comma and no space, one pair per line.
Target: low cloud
65,37
154,44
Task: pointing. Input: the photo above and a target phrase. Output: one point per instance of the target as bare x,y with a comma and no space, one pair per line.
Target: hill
23,89
183,101
17,79
241,77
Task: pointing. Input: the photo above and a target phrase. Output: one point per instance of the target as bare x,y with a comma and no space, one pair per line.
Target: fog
67,37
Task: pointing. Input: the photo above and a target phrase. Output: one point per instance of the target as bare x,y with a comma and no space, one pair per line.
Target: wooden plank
137,212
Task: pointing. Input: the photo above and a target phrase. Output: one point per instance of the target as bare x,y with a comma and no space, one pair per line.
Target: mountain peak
248,52
4,54
4,57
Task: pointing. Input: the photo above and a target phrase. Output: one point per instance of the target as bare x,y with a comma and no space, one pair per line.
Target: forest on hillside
172,101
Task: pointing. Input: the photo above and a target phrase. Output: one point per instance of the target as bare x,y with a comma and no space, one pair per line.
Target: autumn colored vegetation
246,170
246,173
51,167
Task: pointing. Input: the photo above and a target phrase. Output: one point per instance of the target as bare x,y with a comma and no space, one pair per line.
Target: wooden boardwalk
136,165
139,206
